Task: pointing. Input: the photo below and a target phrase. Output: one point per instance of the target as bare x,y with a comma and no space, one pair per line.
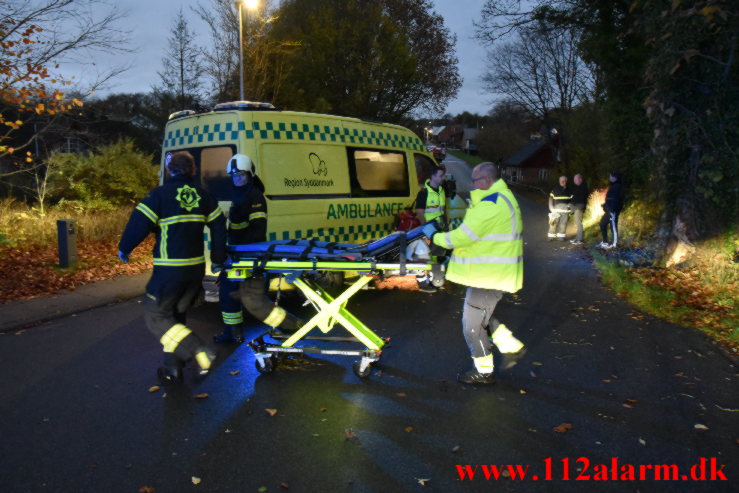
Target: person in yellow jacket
487,257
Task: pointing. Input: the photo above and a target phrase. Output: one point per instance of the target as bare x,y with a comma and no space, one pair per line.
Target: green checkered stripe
223,132
348,234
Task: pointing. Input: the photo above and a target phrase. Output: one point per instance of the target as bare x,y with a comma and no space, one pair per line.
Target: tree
378,60
264,65
182,67
508,128
541,71
35,38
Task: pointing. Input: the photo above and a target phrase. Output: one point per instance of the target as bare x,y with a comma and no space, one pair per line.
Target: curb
15,315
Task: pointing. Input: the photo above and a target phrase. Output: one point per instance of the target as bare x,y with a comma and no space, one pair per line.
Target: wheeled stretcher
302,263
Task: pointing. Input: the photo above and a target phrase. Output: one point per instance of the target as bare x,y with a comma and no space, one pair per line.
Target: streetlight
251,5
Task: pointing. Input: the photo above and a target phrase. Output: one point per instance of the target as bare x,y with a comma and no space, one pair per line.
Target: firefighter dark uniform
176,213
560,198
248,224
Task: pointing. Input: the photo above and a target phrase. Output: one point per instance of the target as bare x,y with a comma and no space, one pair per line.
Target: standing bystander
579,203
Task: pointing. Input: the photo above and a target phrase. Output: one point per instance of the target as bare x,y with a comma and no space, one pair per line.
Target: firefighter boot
231,334
171,372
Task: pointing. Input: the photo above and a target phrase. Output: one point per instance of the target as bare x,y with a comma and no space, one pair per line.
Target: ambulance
326,177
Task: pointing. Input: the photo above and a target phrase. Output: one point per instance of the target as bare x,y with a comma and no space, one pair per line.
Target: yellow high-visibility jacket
435,203
488,245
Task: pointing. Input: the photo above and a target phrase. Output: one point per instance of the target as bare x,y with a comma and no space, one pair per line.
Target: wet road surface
76,413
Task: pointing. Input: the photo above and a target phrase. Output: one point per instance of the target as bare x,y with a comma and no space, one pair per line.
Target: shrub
116,174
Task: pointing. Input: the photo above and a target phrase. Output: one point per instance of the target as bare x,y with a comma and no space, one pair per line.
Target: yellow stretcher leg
332,310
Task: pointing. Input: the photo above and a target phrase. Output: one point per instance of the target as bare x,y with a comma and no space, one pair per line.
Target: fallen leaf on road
262,489
423,482
642,441
408,429
537,363
628,406
630,400
607,381
401,394
455,449
201,396
563,428
522,392
235,372
146,489
271,412
155,388
285,486
349,433
700,427
196,480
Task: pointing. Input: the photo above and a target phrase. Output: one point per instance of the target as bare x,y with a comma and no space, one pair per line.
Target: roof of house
525,152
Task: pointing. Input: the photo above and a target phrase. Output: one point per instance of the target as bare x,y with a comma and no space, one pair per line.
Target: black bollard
66,230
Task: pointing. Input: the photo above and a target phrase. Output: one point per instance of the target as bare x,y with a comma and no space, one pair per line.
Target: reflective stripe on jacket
435,203
488,245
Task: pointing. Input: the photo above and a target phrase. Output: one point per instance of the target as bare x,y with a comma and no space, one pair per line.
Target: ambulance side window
212,167
378,173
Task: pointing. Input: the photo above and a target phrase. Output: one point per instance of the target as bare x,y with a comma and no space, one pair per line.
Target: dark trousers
252,294
609,222
166,306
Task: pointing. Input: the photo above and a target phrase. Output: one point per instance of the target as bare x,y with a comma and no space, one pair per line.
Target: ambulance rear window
378,173
213,176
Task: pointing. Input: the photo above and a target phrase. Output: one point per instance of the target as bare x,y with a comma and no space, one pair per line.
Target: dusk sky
150,22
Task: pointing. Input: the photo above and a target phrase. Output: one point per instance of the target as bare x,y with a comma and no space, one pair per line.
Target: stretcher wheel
269,365
360,373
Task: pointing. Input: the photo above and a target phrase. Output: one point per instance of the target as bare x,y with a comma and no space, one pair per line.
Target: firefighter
559,209
176,212
247,223
487,257
431,206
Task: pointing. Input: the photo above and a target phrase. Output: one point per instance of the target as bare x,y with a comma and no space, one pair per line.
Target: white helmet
239,162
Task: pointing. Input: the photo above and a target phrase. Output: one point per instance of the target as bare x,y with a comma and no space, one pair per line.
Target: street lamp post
251,5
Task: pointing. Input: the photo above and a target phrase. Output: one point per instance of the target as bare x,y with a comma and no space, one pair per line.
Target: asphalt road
76,414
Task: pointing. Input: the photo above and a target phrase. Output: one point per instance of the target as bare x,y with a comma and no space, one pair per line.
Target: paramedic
176,212
430,206
487,257
559,209
247,223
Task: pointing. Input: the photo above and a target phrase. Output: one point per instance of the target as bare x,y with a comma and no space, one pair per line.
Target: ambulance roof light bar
243,105
180,114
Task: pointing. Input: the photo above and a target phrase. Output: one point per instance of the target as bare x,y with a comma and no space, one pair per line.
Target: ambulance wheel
358,372
269,365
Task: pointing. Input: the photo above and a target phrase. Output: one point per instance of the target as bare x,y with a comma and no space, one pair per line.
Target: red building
533,163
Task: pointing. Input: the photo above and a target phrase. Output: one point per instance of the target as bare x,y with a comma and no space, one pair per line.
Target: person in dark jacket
578,204
247,224
611,209
176,213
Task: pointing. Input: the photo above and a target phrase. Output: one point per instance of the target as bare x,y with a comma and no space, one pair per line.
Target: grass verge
688,296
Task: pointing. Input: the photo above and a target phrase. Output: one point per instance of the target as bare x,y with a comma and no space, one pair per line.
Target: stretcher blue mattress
325,250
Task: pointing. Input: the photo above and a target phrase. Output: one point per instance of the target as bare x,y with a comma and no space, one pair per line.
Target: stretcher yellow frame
330,310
